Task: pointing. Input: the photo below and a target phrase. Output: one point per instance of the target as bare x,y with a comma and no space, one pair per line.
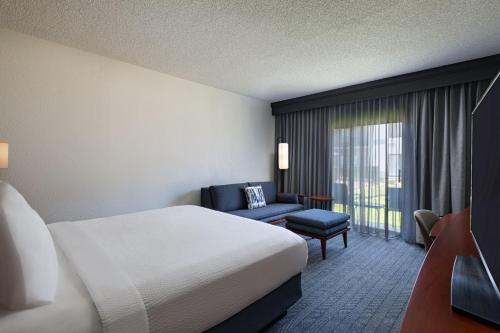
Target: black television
485,201
475,283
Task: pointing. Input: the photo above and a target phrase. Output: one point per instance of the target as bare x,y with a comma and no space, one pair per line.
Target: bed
177,269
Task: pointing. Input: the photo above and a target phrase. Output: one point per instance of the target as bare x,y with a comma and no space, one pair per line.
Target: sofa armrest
206,198
292,198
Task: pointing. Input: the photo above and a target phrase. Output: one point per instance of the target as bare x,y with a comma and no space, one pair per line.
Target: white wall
91,136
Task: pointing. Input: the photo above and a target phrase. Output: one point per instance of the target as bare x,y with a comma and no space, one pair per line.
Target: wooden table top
321,198
439,226
429,307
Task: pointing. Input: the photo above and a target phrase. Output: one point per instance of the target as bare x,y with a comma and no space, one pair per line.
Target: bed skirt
265,311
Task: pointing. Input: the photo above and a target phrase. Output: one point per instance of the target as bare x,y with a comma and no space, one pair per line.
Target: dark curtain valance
467,71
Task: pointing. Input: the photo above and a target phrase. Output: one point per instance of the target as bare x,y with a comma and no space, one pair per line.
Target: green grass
373,216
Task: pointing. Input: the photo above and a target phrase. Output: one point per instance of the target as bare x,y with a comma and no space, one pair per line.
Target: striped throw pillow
255,197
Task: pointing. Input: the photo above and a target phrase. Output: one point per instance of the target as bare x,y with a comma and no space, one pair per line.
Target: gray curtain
309,161
437,148
434,127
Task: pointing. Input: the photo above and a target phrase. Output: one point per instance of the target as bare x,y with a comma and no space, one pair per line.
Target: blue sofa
231,199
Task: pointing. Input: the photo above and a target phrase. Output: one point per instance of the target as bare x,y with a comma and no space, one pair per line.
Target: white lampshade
283,156
4,155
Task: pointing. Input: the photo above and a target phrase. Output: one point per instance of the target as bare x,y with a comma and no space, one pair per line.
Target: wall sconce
4,155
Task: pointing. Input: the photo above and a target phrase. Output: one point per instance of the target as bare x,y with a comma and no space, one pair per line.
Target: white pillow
28,261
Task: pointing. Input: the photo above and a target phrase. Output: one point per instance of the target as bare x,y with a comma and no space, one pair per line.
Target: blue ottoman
320,224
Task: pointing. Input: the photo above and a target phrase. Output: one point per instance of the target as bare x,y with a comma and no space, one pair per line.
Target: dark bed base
265,311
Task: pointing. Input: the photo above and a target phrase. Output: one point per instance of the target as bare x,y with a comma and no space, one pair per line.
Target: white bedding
178,269
71,312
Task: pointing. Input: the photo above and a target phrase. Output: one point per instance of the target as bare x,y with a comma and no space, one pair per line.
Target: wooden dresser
429,307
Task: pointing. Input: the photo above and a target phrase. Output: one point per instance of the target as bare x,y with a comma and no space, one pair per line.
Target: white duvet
178,269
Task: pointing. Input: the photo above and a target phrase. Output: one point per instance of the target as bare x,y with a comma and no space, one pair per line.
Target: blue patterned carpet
364,288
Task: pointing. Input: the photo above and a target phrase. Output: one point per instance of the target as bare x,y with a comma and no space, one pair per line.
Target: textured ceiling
271,50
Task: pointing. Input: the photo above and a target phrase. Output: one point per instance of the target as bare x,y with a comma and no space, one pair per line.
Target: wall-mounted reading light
4,155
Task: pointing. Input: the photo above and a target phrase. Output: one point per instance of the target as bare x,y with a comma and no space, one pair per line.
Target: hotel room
249,166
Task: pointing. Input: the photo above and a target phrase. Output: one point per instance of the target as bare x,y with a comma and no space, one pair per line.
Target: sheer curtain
367,147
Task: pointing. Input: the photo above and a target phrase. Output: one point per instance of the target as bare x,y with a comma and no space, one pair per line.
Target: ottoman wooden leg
323,247
344,235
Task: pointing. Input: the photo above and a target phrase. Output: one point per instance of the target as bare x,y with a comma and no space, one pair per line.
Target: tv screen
485,204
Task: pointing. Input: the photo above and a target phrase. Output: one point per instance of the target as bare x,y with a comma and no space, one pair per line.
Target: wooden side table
323,200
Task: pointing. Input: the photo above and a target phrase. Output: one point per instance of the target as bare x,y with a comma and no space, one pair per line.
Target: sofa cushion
287,198
269,189
268,211
280,216
228,197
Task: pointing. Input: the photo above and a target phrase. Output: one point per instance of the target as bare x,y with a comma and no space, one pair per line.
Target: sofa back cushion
228,197
269,189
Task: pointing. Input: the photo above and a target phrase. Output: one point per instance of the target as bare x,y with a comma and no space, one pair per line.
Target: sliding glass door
366,175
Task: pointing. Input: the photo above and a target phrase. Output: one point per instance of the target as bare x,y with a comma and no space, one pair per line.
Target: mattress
178,269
